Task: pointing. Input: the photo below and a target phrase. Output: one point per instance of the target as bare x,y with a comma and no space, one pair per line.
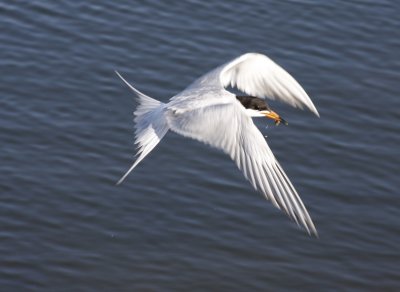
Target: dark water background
186,219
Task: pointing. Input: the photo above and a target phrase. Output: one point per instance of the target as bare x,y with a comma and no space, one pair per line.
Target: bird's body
207,112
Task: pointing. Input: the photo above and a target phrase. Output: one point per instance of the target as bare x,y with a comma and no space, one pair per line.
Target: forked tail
150,125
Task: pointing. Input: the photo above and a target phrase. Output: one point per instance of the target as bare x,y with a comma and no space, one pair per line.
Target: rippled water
186,219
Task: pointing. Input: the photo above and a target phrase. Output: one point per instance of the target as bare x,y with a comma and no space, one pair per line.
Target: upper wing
257,75
227,127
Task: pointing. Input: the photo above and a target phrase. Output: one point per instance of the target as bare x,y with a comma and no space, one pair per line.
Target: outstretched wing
227,127
257,75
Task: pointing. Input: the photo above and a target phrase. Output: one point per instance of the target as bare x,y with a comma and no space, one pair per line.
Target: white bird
208,112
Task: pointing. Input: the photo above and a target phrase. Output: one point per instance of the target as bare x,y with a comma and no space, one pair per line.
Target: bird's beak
273,115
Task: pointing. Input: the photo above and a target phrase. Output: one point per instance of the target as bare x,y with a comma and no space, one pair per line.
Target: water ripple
186,218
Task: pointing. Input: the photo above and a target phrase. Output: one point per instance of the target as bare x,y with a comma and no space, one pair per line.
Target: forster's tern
208,112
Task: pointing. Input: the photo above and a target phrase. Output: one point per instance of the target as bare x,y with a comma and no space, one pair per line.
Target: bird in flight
206,111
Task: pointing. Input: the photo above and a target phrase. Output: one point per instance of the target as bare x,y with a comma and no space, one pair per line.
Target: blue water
186,219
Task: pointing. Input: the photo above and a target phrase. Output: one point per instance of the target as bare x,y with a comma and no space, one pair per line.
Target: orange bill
273,115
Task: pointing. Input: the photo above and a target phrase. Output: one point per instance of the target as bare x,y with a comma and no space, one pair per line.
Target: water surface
186,219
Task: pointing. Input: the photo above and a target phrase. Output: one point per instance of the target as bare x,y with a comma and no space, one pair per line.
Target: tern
208,112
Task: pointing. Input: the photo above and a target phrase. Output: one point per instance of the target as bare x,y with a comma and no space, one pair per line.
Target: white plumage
207,112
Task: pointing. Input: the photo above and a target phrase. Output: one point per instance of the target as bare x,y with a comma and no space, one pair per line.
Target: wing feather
257,75
227,127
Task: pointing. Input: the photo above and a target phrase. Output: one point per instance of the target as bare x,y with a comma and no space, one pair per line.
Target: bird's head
257,107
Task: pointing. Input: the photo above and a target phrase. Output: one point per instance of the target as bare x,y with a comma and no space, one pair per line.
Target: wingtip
119,75
311,107
119,182
316,113
313,232
123,177
308,227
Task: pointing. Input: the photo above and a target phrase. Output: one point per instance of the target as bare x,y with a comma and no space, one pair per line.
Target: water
186,219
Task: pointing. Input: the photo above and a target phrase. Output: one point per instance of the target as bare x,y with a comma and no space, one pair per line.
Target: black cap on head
251,102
